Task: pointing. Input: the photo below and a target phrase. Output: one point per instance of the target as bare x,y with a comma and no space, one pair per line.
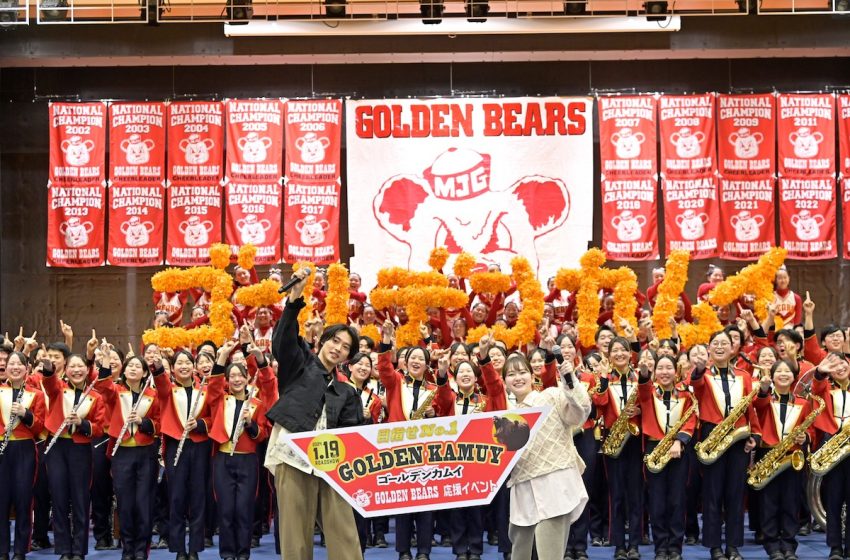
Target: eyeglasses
720,344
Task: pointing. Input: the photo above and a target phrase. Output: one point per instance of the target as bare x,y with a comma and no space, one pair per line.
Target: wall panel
117,301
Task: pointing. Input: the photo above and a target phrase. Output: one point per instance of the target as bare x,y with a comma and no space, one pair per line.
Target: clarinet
11,426
126,425
192,415
240,427
65,422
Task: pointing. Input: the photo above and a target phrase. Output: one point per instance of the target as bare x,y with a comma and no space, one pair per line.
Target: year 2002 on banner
419,465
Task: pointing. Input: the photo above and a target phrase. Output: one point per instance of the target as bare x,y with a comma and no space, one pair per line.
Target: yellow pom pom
336,301
247,254
438,258
220,255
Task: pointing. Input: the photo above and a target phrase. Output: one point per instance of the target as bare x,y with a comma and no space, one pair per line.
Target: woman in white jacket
547,493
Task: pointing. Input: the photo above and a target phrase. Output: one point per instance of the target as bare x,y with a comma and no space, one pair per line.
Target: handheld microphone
292,281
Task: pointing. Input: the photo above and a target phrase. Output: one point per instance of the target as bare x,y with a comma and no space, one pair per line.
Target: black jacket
305,386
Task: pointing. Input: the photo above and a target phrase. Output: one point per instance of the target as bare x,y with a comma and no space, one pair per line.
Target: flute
191,415
126,425
240,427
13,418
65,422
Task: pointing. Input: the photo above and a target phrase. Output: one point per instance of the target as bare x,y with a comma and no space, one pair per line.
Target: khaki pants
298,496
549,536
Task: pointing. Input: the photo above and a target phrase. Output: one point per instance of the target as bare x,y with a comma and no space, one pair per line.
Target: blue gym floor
812,547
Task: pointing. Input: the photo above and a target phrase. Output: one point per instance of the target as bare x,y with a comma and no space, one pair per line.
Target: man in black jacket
312,397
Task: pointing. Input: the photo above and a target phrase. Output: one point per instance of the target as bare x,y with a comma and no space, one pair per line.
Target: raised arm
289,349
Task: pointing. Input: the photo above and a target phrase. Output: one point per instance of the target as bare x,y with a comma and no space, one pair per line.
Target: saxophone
779,459
832,452
419,413
725,434
658,458
621,430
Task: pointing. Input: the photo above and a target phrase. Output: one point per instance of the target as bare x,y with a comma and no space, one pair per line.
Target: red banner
806,135
195,142
77,144
687,135
313,192
194,223
420,465
136,143
627,143
844,165
308,230
746,135
313,134
254,140
136,223
845,206
253,216
75,226
807,217
689,205
844,134
746,210
629,224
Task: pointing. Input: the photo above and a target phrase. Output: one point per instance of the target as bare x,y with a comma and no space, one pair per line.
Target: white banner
493,177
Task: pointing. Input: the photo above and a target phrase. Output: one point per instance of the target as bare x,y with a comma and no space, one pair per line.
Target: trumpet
64,425
135,408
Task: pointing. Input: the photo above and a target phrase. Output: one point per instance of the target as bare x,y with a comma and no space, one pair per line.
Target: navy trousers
625,485
467,530
424,531
667,503
724,485
17,471
780,510
41,495
69,470
101,490
835,494
235,482
134,472
187,484
588,450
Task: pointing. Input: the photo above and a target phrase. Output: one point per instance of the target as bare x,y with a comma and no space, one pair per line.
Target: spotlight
9,11
239,11
53,10
477,10
655,10
335,8
842,6
432,11
575,7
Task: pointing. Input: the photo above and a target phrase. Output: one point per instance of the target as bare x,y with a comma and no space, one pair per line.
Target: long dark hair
146,371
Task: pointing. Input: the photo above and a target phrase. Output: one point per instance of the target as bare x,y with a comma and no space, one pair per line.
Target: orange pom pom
438,258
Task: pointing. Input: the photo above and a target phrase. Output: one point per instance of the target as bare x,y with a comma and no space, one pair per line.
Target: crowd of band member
179,436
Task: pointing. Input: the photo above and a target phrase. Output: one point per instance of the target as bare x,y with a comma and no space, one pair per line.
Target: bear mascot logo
452,204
